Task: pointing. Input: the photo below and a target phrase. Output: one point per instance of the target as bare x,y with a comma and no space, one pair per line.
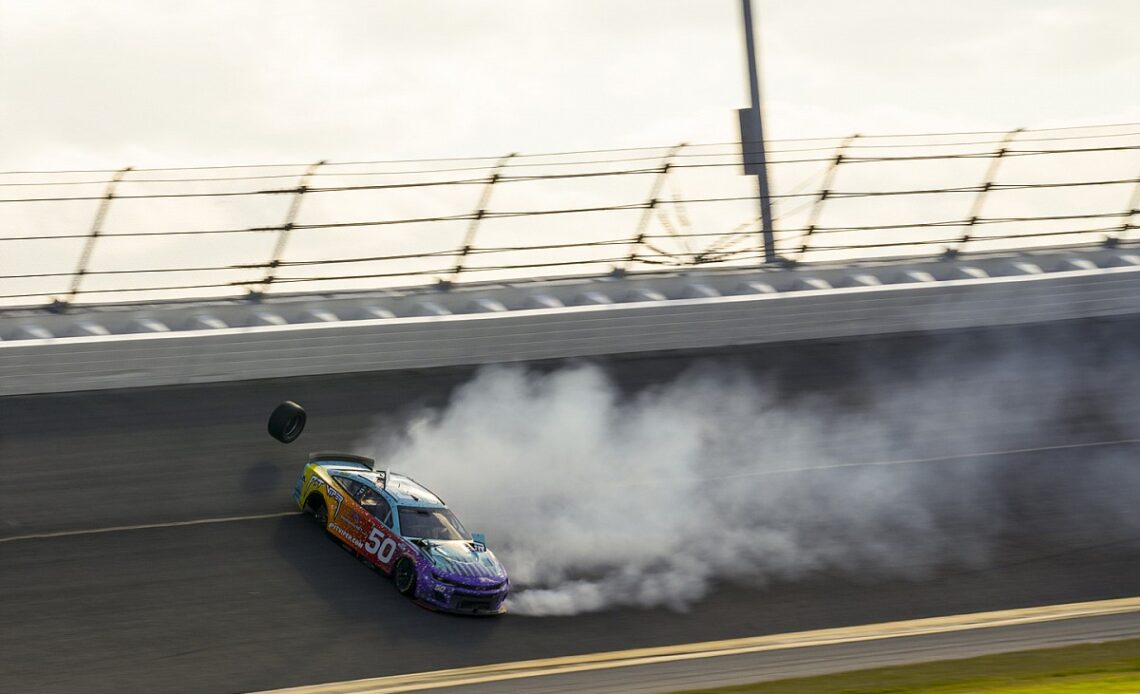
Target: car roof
408,492
401,489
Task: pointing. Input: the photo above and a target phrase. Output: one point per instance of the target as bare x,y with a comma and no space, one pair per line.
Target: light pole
752,137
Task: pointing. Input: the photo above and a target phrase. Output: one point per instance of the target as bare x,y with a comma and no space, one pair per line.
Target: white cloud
160,82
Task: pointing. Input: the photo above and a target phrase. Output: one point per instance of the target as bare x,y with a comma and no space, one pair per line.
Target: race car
397,525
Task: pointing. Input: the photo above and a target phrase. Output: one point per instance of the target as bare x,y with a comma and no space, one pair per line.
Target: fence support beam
825,190
96,230
650,206
1131,211
980,198
473,227
287,227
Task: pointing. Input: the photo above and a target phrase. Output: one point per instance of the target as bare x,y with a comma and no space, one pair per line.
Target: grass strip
1104,668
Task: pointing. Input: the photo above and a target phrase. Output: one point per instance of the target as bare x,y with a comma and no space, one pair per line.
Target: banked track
267,602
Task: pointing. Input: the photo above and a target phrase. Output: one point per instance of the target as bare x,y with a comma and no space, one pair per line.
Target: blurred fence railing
140,234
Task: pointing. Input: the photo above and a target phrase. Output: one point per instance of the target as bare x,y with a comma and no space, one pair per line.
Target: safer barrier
227,354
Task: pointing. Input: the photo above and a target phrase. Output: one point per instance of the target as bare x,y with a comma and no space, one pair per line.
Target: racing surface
735,670
269,602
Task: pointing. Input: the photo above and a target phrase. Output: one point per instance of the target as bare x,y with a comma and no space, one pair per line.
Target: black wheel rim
404,576
322,515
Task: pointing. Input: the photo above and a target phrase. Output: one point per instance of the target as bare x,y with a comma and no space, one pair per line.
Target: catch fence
144,234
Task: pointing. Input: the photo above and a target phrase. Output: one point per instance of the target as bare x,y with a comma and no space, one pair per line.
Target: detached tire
404,576
287,422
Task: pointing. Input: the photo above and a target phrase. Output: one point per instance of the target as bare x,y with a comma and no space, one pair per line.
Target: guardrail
853,301
69,237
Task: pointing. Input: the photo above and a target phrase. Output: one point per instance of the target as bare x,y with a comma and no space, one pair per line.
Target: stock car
397,525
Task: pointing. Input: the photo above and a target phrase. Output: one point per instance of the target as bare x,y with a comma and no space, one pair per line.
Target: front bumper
448,596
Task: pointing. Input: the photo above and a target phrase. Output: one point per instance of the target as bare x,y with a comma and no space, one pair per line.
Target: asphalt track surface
732,670
269,602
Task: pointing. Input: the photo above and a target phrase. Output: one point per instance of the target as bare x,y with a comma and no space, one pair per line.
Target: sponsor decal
316,483
354,519
346,536
332,492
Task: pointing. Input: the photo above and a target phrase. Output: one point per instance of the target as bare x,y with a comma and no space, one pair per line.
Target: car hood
462,559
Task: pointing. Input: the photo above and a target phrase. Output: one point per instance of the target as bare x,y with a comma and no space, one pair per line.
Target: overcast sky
169,82
104,84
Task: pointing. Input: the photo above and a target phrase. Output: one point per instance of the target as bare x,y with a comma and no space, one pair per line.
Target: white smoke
593,499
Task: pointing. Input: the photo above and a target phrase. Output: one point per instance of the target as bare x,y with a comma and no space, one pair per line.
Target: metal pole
757,148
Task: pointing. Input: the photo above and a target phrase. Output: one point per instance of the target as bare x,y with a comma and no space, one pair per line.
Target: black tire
315,505
287,422
404,576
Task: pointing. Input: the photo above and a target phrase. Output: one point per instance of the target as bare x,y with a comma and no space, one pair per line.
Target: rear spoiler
335,457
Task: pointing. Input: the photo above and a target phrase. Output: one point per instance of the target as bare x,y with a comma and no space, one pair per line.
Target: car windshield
431,524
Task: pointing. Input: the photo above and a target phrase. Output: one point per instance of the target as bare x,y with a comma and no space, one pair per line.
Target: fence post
96,230
825,190
1129,213
980,199
287,227
650,206
481,209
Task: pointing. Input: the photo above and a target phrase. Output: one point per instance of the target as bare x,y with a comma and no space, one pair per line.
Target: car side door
382,545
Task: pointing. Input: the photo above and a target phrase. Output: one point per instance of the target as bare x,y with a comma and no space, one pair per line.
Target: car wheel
316,506
404,576
287,422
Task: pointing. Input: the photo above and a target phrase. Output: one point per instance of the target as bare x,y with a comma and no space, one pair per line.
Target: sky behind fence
162,83
137,234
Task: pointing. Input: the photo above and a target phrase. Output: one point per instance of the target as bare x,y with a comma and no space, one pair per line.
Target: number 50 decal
382,547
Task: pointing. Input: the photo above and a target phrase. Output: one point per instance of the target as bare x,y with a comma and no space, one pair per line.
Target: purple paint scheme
456,576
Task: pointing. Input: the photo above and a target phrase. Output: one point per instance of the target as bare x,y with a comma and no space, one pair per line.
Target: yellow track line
711,649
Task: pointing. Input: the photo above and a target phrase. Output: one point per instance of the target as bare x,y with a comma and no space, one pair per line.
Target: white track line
656,481
620,483
148,526
942,459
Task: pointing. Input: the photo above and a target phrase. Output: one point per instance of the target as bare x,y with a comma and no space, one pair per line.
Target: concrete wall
226,354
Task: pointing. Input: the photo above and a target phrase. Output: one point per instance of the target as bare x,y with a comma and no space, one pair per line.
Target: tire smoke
594,500
891,462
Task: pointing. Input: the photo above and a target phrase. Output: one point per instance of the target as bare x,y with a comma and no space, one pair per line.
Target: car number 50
383,547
